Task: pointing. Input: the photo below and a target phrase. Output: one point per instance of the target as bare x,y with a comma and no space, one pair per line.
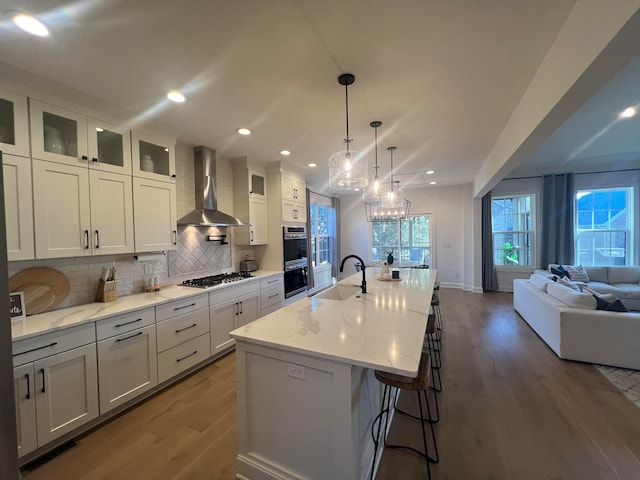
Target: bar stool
435,304
430,345
399,382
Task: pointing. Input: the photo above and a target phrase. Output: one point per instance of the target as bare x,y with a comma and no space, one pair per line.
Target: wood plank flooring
510,409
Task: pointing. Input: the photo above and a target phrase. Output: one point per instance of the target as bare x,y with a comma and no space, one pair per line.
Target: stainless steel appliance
215,280
295,259
248,266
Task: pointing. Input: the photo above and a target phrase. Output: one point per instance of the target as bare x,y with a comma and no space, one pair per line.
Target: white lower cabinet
232,308
182,357
25,399
127,366
271,293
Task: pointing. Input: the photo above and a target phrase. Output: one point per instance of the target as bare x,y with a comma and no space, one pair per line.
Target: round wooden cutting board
44,288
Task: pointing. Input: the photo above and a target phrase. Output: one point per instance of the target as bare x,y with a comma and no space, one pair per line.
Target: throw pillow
615,306
568,283
607,297
578,274
560,272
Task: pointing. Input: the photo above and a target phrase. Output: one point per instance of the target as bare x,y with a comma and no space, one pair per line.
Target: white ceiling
442,76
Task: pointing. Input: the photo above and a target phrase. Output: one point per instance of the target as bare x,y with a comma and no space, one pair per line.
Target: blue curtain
489,276
557,220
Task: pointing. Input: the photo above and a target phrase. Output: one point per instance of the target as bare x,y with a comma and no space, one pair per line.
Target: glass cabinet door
109,147
58,134
257,185
14,127
153,156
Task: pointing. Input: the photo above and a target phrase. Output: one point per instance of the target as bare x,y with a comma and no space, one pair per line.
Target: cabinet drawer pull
272,281
28,387
53,344
274,295
127,338
94,159
84,157
187,356
42,373
117,325
186,328
185,306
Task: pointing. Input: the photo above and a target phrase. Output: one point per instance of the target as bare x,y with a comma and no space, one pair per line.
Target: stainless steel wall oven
295,241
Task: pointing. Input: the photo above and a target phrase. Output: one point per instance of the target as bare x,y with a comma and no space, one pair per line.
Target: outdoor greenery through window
322,231
409,240
511,220
604,226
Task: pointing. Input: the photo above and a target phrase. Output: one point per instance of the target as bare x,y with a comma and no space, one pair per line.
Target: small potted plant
389,257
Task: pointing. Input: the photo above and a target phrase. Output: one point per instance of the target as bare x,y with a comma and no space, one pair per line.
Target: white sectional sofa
621,281
595,336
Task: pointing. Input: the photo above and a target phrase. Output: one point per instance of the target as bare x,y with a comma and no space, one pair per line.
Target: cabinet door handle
252,235
274,295
97,239
53,344
187,356
28,387
86,239
43,385
84,157
241,310
237,307
94,159
186,328
175,237
173,176
127,338
127,323
185,306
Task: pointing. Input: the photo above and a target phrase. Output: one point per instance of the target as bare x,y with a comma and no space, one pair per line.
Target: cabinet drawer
124,323
180,307
271,296
178,359
177,330
32,349
271,281
234,290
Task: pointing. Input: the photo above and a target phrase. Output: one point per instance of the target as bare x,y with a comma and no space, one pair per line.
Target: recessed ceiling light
312,165
432,183
628,112
429,172
175,96
99,129
286,153
244,131
356,189
31,24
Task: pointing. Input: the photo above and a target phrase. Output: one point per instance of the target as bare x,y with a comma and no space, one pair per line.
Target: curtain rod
583,173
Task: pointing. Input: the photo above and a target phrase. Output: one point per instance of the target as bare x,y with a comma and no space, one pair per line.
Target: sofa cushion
606,288
598,274
572,298
540,281
578,274
567,283
624,275
614,306
607,297
629,290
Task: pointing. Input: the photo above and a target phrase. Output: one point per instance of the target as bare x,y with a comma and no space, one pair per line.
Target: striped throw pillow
578,274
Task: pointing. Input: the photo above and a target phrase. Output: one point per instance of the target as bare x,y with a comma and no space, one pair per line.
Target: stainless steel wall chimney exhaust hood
206,212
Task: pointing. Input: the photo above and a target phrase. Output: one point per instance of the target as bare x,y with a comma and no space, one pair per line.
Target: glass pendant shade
392,206
348,171
376,190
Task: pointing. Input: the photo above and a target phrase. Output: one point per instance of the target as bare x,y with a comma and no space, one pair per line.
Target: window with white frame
512,222
604,226
409,240
322,225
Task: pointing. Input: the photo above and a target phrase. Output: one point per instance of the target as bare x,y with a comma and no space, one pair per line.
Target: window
604,226
322,228
511,221
409,240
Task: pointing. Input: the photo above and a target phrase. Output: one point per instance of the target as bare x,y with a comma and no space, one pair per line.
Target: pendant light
393,206
347,168
376,191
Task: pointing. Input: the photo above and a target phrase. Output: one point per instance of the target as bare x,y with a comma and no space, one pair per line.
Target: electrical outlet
296,371
148,268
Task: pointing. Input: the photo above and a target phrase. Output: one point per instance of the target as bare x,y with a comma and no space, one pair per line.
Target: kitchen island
307,394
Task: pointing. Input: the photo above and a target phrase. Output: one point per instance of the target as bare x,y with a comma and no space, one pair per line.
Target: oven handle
300,266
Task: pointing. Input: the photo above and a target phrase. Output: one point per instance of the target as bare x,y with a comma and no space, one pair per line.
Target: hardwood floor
510,409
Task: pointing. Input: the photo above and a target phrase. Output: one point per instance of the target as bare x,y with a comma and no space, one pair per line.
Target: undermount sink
339,292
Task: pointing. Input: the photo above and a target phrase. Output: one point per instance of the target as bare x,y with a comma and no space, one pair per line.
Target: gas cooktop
214,280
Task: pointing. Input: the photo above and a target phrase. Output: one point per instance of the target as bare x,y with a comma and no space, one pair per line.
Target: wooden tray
389,279
44,288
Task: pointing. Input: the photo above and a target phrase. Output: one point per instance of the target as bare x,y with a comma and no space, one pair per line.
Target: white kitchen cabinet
127,361
62,135
25,400
154,212
287,194
293,187
250,202
182,357
14,126
58,374
271,293
95,208
231,308
293,211
153,155
18,206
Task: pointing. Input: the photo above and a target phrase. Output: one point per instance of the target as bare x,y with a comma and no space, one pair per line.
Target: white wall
453,218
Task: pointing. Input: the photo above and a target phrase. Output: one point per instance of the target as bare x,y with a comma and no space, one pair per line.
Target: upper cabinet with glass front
153,155
14,132
64,136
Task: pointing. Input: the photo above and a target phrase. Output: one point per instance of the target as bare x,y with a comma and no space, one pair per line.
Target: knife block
106,291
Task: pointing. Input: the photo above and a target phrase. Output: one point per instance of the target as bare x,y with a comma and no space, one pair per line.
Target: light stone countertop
382,329
68,317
